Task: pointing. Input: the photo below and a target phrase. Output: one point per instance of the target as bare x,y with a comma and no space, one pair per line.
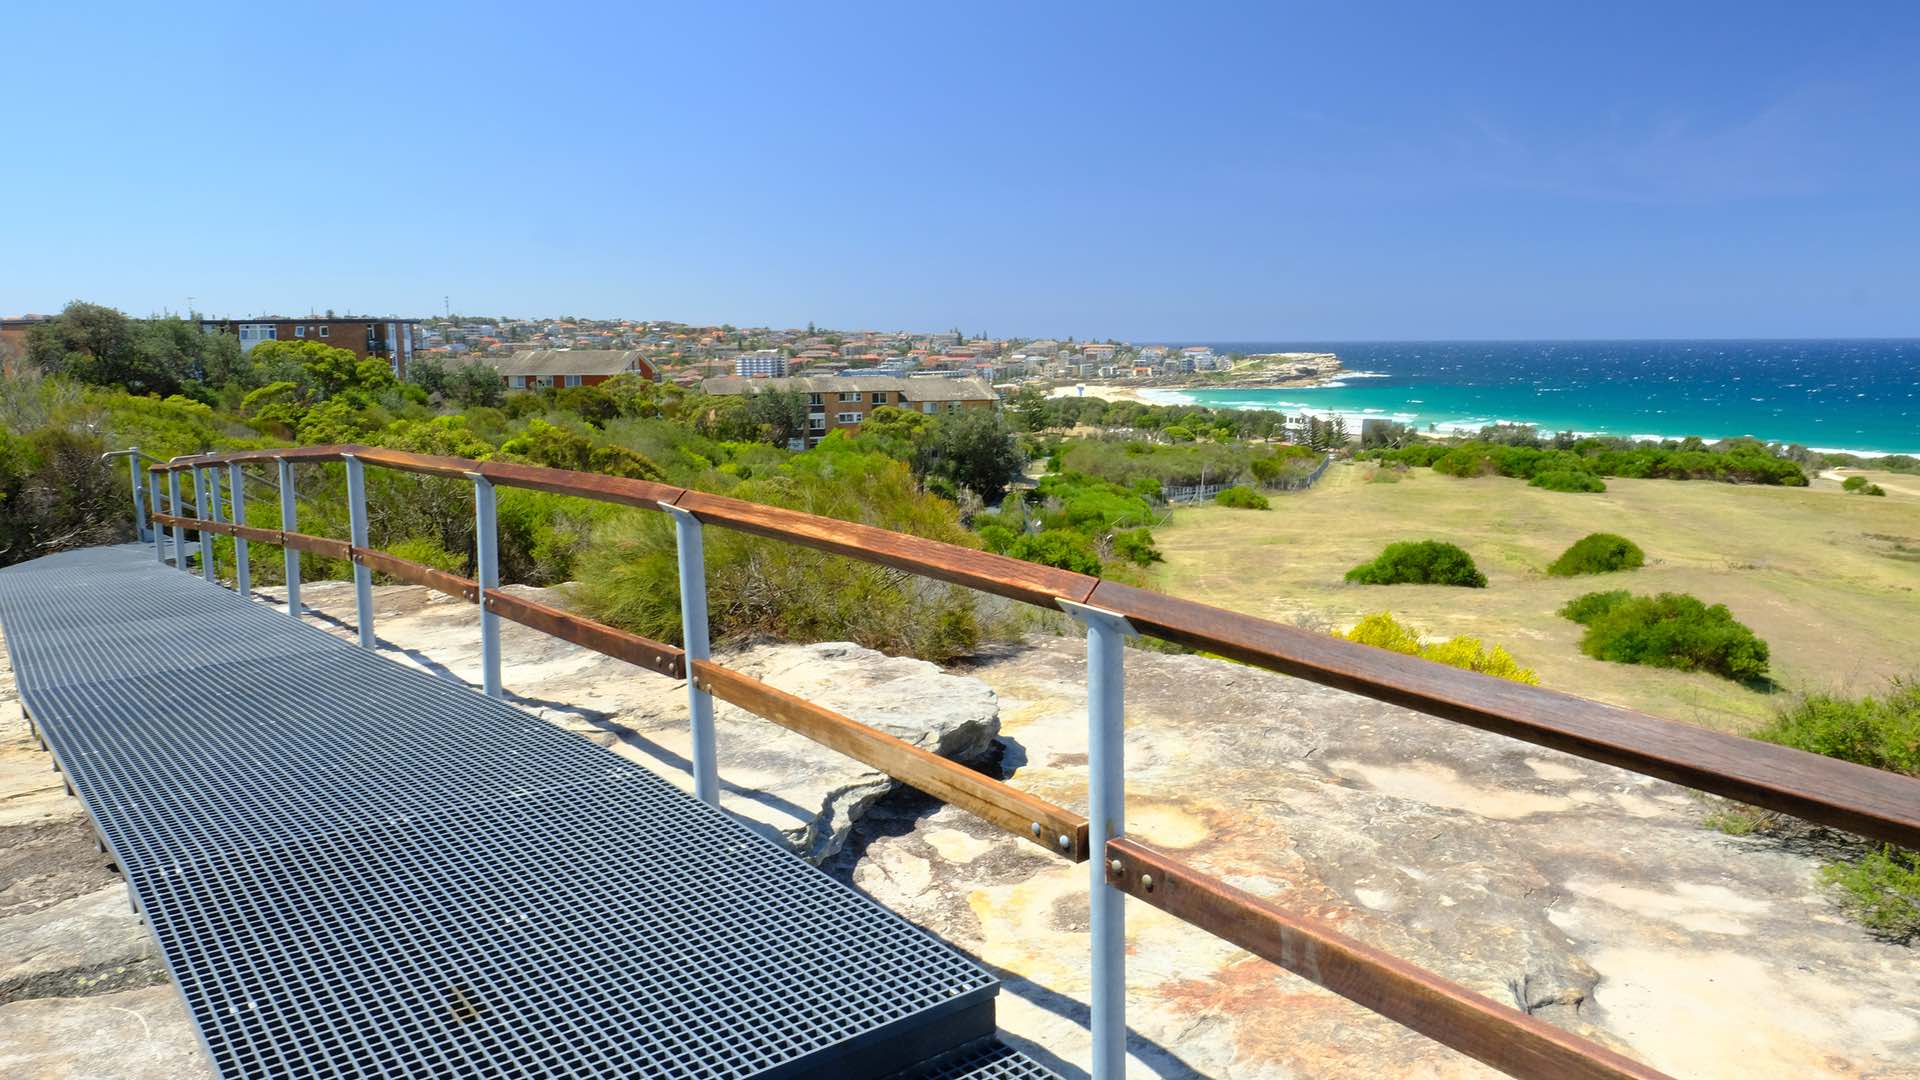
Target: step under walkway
355,869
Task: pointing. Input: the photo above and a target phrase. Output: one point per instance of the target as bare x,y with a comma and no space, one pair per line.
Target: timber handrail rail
1506,1038
1877,804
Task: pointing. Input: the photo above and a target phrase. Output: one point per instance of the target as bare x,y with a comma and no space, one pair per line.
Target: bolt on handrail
1871,802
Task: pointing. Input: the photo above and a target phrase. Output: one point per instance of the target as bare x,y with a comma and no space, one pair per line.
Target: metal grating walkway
356,869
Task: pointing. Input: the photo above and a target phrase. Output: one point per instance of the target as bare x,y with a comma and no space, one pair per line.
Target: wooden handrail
1487,1031
414,573
1873,803
950,782
601,638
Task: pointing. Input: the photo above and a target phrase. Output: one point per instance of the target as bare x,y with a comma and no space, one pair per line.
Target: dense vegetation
1382,631
1598,553
1565,463
1671,630
1881,886
1420,562
1860,485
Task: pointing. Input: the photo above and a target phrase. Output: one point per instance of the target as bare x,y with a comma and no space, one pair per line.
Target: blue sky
1305,172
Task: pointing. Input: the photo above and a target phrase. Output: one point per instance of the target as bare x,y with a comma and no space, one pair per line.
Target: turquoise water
1831,395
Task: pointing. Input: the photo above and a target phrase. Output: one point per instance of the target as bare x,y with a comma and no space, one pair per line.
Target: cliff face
1587,895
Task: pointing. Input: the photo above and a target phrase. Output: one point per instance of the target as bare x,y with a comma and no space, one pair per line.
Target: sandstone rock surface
1589,896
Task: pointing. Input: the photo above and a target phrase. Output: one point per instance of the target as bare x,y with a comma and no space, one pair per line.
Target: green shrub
1242,498
428,553
1853,483
1421,562
1568,480
1057,547
1883,732
1136,546
1585,609
1381,631
1598,553
628,574
1882,891
1670,630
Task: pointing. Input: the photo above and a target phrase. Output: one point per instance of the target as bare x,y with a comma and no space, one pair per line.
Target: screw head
1116,867
1036,828
1066,842
1146,882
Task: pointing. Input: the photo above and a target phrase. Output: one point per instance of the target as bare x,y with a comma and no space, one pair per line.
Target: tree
974,449
95,344
781,415
475,383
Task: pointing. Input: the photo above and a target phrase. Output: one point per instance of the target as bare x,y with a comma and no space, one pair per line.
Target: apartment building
532,369
760,364
391,339
840,403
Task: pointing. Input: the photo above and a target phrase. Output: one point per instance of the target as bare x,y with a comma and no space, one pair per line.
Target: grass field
1831,581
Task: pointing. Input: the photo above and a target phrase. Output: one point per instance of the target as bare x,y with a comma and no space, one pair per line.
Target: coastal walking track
356,869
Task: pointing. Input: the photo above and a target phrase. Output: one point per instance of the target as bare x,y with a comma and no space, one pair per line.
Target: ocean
1848,395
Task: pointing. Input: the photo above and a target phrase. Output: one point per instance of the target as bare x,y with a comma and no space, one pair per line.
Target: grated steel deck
355,869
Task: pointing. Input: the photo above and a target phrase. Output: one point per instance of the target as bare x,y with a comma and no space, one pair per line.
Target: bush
1381,631
1860,485
1598,553
1134,545
1670,630
1057,547
1882,891
629,573
1882,732
1423,562
1242,498
1568,480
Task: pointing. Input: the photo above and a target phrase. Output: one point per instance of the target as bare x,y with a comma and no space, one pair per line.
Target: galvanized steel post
159,538
288,523
693,629
357,530
139,508
1106,820
179,532
486,559
203,508
242,574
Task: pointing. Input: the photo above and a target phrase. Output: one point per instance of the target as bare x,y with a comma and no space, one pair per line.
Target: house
13,341
531,369
840,403
391,339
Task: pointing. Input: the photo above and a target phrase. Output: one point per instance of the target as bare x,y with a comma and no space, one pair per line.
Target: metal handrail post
486,569
204,504
357,530
133,474
159,539
179,531
288,523
691,544
242,574
1106,820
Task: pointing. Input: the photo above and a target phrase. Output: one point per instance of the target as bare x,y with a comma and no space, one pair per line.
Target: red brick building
391,339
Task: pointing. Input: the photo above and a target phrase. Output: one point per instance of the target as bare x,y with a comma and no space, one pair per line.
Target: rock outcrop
1589,896
1584,894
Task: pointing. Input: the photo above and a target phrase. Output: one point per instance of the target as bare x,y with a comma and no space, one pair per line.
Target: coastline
1444,429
